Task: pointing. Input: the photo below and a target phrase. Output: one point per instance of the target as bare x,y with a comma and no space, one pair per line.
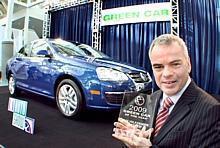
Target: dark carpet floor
52,130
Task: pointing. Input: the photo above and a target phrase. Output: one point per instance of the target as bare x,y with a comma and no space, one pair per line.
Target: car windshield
89,51
70,49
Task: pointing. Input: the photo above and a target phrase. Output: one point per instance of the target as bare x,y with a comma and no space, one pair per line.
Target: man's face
171,67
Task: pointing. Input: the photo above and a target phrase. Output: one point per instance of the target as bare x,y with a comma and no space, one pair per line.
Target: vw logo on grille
139,100
143,77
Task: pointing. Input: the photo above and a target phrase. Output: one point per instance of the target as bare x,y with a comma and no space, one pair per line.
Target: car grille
114,98
117,97
139,77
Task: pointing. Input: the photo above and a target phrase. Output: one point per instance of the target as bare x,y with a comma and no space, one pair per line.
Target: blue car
77,76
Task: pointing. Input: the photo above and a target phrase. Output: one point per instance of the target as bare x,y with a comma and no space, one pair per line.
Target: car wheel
13,91
69,99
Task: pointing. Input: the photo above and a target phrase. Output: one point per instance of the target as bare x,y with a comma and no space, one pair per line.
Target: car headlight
108,74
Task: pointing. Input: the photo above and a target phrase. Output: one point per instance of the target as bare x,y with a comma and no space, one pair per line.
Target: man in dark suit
185,115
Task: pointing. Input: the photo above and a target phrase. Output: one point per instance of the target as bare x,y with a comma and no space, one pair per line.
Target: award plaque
137,109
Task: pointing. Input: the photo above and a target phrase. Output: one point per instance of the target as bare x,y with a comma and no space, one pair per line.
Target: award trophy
137,109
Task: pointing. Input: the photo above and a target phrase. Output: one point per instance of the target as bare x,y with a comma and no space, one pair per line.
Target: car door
40,72
20,66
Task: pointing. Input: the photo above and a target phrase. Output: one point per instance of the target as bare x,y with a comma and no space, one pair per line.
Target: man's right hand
131,135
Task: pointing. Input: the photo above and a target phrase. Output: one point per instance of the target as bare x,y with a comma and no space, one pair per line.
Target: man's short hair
168,39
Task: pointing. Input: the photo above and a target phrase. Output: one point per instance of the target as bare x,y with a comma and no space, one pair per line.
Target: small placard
29,125
18,121
17,106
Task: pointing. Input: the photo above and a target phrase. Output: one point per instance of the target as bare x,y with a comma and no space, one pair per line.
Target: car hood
128,68
118,65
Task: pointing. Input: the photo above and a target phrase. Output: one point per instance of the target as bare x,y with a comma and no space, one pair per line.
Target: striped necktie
162,116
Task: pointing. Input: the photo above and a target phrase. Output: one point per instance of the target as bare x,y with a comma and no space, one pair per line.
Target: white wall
18,40
1,39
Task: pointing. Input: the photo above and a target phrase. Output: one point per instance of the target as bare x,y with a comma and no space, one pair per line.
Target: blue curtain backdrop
73,23
200,28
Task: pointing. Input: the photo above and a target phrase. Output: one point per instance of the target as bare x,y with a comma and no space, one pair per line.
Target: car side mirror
43,53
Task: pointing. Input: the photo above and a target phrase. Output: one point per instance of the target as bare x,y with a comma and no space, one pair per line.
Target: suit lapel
154,104
175,117
179,112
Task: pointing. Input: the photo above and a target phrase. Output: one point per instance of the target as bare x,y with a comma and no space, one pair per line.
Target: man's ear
189,65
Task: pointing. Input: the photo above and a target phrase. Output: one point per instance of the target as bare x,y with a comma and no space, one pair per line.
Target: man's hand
131,135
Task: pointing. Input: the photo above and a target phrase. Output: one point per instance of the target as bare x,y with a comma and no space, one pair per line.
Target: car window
76,49
24,51
67,48
89,51
39,49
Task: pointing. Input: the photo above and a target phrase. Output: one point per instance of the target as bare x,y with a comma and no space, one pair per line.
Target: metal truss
46,23
97,6
175,17
54,6
96,21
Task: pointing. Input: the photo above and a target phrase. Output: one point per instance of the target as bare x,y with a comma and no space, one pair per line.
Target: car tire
69,99
13,90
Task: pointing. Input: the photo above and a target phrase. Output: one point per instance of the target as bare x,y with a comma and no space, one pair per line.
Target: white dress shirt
174,98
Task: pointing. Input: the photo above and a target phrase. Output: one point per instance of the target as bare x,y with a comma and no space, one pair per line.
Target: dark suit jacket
193,122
